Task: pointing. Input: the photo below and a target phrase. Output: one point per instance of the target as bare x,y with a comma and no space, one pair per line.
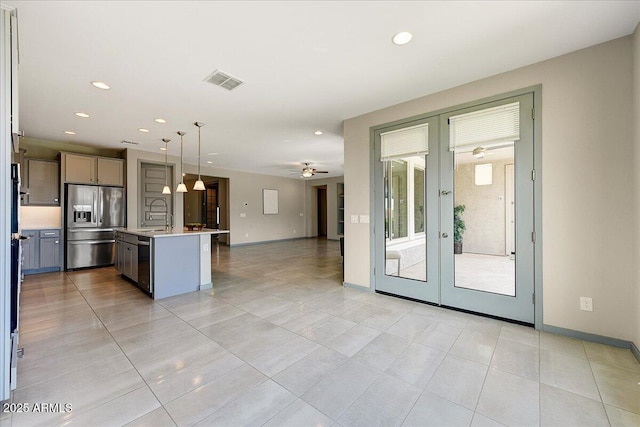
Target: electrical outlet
586,304
354,219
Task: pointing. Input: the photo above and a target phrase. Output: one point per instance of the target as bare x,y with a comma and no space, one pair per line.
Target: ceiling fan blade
321,171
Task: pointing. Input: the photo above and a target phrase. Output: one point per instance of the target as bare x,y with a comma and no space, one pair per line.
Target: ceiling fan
308,171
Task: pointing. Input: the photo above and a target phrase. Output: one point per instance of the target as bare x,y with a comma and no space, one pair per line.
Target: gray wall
587,141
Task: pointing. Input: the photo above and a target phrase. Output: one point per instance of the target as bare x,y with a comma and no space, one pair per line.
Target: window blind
406,142
485,128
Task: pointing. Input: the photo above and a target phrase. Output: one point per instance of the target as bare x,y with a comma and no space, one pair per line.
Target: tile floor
279,342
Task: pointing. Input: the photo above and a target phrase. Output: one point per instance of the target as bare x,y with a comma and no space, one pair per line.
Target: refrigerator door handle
99,202
87,230
88,242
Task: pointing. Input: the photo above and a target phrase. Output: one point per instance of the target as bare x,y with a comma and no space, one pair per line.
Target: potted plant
458,228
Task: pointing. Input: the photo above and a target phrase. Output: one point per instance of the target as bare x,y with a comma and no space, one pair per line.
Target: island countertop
174,232
166,263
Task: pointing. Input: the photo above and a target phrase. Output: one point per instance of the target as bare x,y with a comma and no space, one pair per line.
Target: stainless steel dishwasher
144,264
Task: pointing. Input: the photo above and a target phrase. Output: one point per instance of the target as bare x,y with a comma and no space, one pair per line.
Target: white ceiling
307,66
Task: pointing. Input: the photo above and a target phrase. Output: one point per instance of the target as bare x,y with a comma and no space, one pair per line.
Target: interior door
480,146
406,174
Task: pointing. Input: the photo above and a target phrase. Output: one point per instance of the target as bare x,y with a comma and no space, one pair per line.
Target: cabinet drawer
45,234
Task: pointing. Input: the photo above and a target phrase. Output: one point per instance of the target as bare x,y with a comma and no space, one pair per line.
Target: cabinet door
119,256
80,169
110,171
49,252
134,263
43,182
30,250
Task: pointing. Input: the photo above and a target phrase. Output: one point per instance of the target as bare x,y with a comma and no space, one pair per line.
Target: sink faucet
168,224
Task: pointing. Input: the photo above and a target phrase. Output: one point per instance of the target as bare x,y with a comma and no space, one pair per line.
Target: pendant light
166,189
199,185
181,187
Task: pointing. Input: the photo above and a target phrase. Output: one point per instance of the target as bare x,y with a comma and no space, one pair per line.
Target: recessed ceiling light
212,154
318,132
163,149
101,85
210,162
143,130
83,115
69,132
159,120
402,37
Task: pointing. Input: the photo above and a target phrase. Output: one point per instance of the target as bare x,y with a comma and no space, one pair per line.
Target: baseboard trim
615,342
635,351
262,242
356,287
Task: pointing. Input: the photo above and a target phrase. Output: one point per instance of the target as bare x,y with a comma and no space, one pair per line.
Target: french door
455,191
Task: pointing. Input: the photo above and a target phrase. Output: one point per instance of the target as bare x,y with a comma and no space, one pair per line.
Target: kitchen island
166,263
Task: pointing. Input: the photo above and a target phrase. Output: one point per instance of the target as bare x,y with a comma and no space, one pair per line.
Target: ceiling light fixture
318,132
212,154
166,189
101,85
307,173
143,130
210,162
158,120
163,149
199,185
69,132
83,115
402,37
479,152
181,187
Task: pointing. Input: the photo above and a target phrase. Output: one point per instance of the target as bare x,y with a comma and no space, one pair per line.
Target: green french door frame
424,287
439,286
517,303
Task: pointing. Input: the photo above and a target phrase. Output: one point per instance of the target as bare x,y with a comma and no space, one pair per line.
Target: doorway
456,193
210,207
322,211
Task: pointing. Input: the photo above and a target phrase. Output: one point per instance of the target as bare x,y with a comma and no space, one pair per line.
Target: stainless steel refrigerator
93,214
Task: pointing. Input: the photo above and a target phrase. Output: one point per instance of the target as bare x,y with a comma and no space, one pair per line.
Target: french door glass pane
405,250
484,187
418,200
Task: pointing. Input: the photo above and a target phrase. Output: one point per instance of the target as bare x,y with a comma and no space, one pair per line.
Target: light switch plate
205,247
364,219
354,219
586,304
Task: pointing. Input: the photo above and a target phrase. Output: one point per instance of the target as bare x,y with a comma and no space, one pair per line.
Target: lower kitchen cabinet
41,252
127,255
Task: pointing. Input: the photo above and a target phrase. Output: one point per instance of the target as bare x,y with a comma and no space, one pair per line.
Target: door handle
445,192
445,235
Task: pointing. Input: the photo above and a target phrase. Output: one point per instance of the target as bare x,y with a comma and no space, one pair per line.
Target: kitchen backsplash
33,217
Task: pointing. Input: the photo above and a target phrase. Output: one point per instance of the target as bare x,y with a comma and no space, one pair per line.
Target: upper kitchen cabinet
83,169
43,182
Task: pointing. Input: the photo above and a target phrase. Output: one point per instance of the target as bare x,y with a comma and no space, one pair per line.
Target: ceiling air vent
224,80
124,141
